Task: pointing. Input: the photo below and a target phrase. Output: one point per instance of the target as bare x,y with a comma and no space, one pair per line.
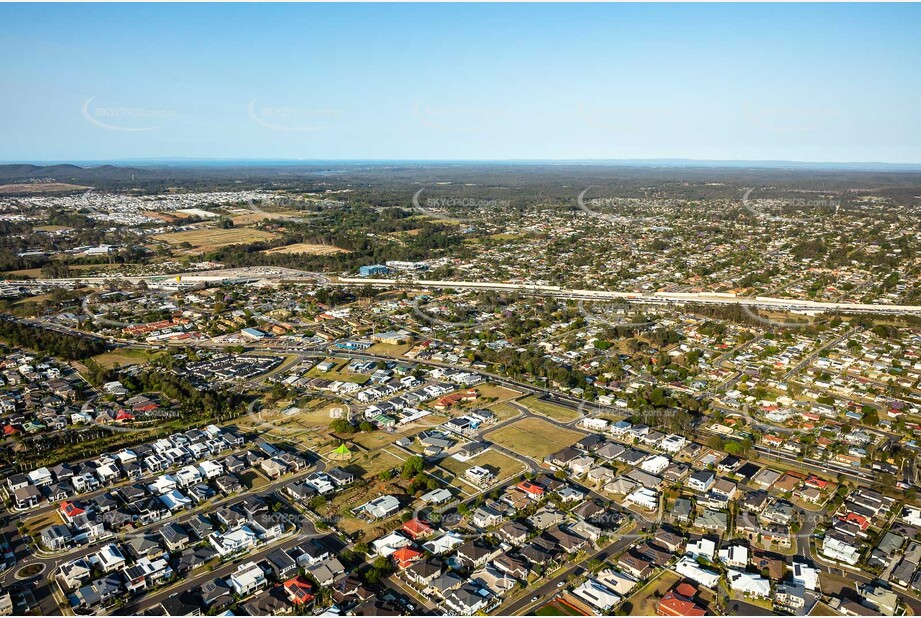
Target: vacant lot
40,187
381,439
499,393
293,420
37,524
557,413
337,373
36,273
502,466
645,599
249,217
534,438
821,609
125,356
253,480
209,239
504,411
368,466
307,248
390,349
557,608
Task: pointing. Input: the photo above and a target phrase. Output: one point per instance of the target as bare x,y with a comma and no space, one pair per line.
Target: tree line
54,343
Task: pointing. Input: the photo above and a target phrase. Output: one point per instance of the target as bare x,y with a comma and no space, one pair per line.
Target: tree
412,467
340,425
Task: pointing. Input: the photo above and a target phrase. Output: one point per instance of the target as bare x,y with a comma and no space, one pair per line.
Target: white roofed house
380,507
40,477
806,575
175,500
437,496
840,550
234,540
655,464
734,556
749,584
443,544
322,483
597,595
390,543
188,475
645,498
702,547
210,469
162,485
673,443
109,558
594,424
479,476
248,578
689,568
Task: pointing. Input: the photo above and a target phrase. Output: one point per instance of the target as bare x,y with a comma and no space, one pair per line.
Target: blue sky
813,82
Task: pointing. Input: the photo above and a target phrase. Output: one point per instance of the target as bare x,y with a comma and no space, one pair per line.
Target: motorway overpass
659,298
267,273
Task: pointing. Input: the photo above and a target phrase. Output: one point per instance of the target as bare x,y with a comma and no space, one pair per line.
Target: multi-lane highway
659,298
254,274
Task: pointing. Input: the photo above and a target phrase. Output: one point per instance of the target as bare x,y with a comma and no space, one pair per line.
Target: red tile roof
405,556
416,528
299,590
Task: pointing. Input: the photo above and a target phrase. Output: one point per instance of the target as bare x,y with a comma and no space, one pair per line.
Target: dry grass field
557,413
40,187
503,466
307,248
36,273
500,393
125,356
645,599
249,217
534,438
210,239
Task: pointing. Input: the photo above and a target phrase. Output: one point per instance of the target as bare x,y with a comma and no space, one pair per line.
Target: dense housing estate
461,419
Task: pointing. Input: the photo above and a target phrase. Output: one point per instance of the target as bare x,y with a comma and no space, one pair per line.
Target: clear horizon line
652,160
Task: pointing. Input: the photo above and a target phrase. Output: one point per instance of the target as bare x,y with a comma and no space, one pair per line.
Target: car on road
534,599
560,584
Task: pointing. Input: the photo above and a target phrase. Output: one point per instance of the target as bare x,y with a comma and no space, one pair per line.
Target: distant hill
541,179
67,173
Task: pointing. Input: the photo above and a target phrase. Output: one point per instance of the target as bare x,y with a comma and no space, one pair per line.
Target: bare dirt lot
307,248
